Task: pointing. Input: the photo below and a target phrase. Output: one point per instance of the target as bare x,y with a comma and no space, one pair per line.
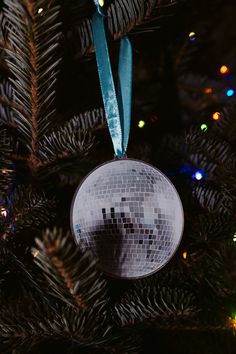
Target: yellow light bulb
224,69
232,323
192,36
101,2
141,124
35,253
3,212
185,254
234,239
216,115
40,10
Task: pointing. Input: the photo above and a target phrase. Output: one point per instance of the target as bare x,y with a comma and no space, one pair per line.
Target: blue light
198,175
230,92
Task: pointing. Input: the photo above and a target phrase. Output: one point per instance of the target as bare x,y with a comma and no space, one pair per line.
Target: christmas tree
53,132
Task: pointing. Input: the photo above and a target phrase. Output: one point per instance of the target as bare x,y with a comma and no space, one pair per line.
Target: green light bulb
204,127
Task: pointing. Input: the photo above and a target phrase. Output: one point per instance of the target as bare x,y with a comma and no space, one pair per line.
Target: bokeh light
216,115
208,90
192,36
224,70
3,212
141,123
198,175
230,92
204,127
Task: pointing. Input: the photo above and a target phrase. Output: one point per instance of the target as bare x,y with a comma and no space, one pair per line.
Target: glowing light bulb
141,124
35,253
224,69
3,212
204,127
234,239
230,92
198,175
101,2
192,36
40,10
216,115
232,322
208,90
185,255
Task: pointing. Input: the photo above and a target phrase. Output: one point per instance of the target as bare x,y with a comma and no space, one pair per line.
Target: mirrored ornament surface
130,215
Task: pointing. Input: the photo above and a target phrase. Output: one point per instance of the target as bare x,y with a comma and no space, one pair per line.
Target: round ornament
130,215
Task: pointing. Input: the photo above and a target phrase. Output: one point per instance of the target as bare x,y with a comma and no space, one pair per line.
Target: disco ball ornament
130,215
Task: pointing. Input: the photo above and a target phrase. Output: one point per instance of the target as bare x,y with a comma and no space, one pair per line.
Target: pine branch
6,104
193,96
22,334
30,209
93,120
211,228
226,127
153,303
206,151
213,282
72,277
65,143
33,39
70,145
6,166
216,199
123,16
15,275
70,330
215,149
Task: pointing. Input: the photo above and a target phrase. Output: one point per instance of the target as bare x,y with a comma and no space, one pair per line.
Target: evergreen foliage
53,297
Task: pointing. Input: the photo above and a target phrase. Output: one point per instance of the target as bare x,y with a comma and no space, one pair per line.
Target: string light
224,70
204,127
234,237
3,212
208,90
192,36
198,175
101,3
230,92
4,236
35,253
216,115
40,10
141,124
185,255
232,321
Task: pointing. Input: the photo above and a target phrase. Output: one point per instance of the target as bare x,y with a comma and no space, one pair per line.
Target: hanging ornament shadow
126,211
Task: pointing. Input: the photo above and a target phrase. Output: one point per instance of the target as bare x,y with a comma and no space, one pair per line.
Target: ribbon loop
117,105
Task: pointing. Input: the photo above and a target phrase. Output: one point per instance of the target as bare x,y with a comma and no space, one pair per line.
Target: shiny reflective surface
130,215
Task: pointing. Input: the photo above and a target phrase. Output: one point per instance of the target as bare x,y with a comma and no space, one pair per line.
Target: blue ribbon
117,106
